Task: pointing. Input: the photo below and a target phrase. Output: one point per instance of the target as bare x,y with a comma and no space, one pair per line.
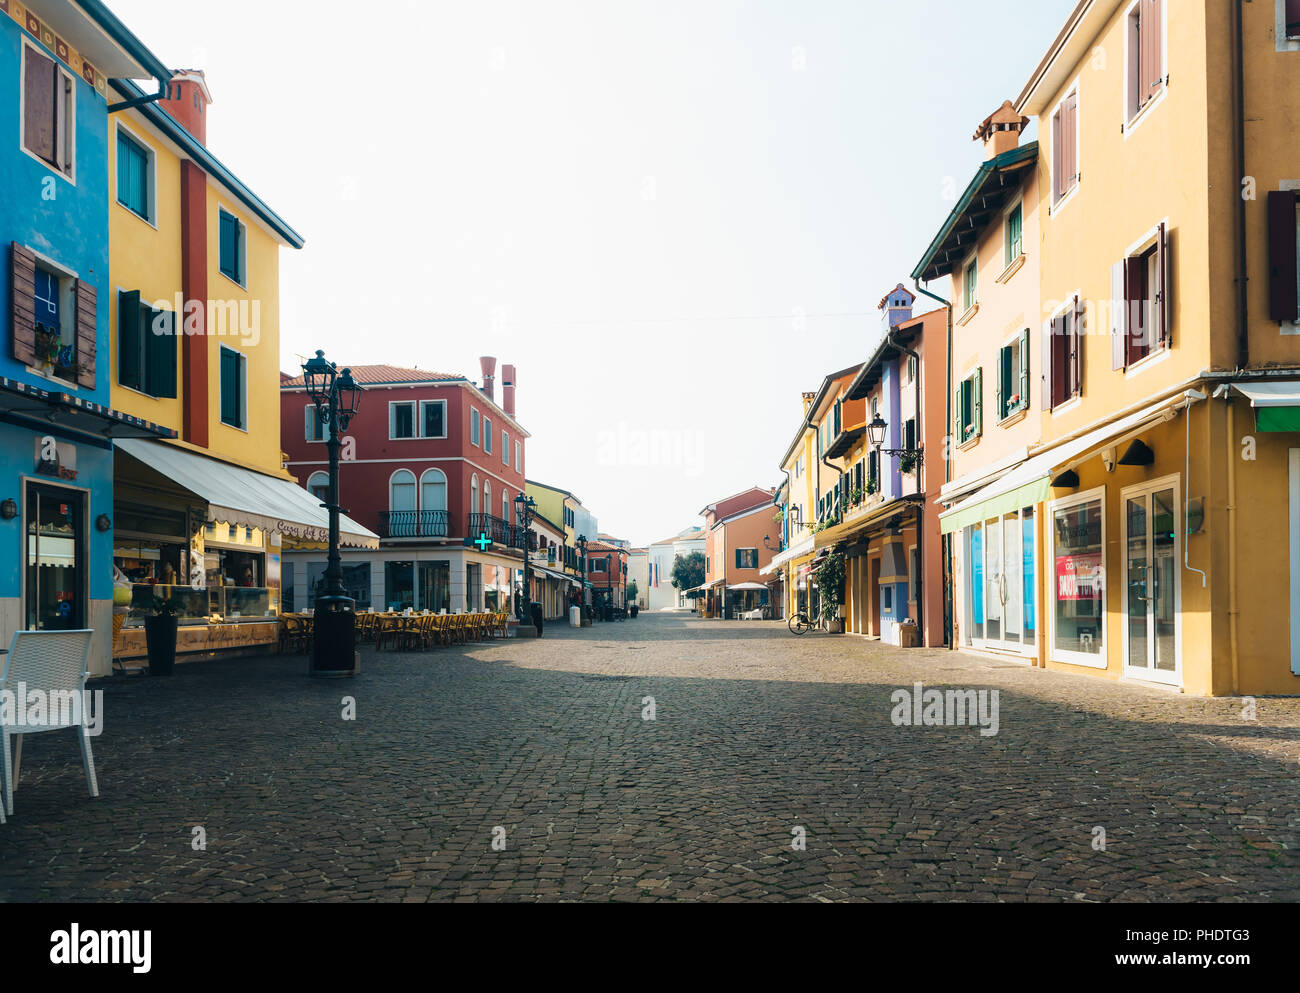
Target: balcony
501,532
414,524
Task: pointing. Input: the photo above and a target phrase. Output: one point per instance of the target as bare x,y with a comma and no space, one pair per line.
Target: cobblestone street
757,733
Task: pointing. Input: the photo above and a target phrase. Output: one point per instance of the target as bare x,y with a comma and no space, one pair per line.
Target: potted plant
47,346
907,463
160,635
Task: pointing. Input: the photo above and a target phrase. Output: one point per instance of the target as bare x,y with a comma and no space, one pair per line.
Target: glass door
1151,548
1001,600
994,588
55,597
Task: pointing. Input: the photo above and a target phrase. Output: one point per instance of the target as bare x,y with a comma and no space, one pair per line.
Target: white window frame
1131,118
487,435
415,491
243,389
1097,495
151,176
1139,489
432,476
505,447
310,414
1066,308
420,426
970,296
392,420
1284,44
1018,202
1054,206
1014,342
519,461
312,481
65,142
242,282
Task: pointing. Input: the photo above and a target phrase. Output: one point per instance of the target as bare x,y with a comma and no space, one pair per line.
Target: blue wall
71,228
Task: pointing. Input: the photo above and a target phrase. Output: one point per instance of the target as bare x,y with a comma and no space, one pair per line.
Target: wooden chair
503,625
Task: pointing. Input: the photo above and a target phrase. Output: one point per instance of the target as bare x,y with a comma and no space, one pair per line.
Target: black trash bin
635,609
536,611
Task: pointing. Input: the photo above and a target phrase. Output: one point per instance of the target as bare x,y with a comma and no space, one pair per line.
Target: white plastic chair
52,662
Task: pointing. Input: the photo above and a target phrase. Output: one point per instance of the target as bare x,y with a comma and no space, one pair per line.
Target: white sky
629,200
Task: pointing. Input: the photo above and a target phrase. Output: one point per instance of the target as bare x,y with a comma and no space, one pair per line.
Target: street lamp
876,435
337,398
524,507
582,550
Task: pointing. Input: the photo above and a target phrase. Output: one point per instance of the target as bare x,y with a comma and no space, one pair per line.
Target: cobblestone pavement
757,733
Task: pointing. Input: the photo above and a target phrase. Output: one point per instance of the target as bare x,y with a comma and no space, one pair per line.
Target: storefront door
1151,550
1001,599
56,560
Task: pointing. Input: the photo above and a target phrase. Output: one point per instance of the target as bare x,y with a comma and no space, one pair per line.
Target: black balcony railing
501,532
414,524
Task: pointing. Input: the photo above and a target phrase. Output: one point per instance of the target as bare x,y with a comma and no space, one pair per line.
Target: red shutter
1057,158
1135,302
87,298
39,84
1283,280
1060,361
23,281
1076,349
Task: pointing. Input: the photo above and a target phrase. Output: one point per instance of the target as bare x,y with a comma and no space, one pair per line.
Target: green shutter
977,407
1004,375
1024,369
231,405
230,248
129,347
160,369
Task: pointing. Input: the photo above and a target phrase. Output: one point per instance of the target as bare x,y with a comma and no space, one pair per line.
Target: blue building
56,424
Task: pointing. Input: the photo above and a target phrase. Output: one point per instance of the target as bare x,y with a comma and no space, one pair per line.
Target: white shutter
1118,312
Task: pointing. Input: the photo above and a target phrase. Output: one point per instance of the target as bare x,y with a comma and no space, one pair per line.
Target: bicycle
799,623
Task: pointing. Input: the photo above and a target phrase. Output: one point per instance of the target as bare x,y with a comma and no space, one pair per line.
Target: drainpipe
1225,391
946,553
163,87
1243,277
920,510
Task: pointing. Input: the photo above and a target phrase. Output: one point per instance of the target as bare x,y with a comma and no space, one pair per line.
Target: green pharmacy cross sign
482,542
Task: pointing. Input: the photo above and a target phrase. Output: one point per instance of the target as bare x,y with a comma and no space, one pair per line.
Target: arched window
505,506
433,504
473,494
401,504
487,498
319,486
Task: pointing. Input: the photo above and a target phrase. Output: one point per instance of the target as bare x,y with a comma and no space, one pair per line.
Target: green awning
1276,419
1004,503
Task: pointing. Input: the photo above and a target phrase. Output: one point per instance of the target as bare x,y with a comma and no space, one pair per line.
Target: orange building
738,544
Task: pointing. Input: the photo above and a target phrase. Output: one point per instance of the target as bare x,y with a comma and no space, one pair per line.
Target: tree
688,571
631,591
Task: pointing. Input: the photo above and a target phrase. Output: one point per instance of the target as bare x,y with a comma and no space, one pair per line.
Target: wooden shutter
1024,368
160,370
1152,47
1047,366
958,413
1137,313
1076,349
1161,313
1283,280
1058,159
230,401
1069,142
40,76
130,364
1118,316
977,404
87,329
23,281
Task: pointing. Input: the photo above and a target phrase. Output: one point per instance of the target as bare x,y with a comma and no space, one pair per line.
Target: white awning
1270,394
1030,482
246,498
804,547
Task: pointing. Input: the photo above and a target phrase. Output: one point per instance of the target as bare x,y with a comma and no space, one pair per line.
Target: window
519,461
1140,315
969,285
1063,356
146,347
913,573
56,319
1065,147
234,251
873,472
909,434
487,435
401,491
473,427
1078,541
234,388
399,585
135,175
487,498
319,486
433,491
1284,255
746,558
49,110
473,495
1013,376
970,407
1014,236
314,430
433,418
401,420
505,448
595,565
1291,12
1145,70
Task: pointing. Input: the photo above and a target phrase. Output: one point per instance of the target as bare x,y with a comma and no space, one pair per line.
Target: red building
607,571
430,463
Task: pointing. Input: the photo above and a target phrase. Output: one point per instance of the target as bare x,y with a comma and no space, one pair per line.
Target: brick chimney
1001,130
187,100
509,380
488,364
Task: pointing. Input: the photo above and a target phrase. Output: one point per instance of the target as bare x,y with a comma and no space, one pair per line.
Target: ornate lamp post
582,550
876,435
524,507
337,398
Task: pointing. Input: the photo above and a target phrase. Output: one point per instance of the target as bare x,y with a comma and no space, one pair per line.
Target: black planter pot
160,636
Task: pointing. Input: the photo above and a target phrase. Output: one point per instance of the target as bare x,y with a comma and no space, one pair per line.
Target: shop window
1078,580
48,110
435,586
146,347
233,247
970,407
1140,315
1013,376
473,587
399,585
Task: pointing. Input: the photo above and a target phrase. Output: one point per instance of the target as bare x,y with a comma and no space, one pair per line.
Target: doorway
1000,598
1151,596
55,597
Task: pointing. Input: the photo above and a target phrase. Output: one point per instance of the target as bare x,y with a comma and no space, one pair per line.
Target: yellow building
798,500
1164,487
566,510
195,346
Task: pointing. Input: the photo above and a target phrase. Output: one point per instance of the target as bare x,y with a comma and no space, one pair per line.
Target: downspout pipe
164,87
1243,276
920,510
949,633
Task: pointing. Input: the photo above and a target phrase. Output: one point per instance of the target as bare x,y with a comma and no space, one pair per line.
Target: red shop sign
1078,577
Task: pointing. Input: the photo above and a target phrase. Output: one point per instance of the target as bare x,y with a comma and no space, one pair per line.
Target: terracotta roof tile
382,375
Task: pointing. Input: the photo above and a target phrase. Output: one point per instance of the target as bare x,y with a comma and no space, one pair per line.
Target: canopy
804,547
748,587
1277,405
247,498
1030,482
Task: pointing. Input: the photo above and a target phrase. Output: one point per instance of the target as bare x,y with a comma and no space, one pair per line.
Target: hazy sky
673,217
